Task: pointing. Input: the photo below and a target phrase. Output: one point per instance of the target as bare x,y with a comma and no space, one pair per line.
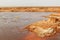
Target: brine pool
12,22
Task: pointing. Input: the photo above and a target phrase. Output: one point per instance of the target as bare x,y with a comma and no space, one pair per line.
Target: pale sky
4,3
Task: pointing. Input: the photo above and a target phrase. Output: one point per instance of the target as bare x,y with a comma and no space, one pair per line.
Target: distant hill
29,9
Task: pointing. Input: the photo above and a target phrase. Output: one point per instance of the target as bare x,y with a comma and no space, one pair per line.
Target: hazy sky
4,3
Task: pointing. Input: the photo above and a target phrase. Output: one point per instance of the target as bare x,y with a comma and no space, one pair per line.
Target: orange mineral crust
46,28
35,37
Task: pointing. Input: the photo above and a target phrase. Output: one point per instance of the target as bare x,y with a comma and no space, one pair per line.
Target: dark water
12,22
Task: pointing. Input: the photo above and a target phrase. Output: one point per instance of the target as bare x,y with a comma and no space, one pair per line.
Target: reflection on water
12,22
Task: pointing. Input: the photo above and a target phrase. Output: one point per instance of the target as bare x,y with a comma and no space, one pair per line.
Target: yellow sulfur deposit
46,28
